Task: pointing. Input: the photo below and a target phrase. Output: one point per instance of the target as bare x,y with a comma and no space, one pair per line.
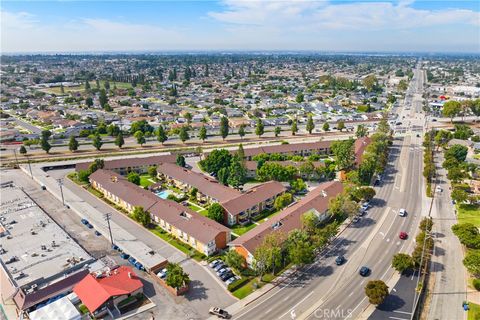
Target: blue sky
86,26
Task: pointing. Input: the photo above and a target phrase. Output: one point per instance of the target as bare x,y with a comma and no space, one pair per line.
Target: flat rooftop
34,249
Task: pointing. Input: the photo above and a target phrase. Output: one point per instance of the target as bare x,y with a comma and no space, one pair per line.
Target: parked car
214,263
402,212
438,189
125,256
403,235
97,233
89,226
219,313
366,205
355,219
222,271
226,275
162,274
231,280
364,271
219,266
84,221
340,260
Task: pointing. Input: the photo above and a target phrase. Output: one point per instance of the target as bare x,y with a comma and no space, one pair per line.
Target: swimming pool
163,193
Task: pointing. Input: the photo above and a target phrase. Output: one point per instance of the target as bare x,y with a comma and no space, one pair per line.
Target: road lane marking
402,312
293,308
395,318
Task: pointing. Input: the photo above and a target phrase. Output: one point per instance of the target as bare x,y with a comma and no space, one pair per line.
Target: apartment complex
201,233
251,203
209,189
126,165
290,218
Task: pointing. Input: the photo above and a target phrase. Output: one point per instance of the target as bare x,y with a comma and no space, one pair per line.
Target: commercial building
39,261
290,218
201,233
104,292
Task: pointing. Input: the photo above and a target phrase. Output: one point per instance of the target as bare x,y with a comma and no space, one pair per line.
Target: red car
403,235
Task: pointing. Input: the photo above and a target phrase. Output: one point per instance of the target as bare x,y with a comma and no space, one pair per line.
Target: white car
162,274
214,263
231,280
438,189
402,212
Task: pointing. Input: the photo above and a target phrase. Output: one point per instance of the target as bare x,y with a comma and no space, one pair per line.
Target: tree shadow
391,303
197,291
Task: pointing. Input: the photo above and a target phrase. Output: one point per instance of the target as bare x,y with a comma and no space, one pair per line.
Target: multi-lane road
324,290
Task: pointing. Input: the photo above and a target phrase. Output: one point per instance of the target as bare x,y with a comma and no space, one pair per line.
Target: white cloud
354,16
22,32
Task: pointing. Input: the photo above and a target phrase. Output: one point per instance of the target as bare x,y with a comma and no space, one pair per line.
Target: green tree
45,145
73,144
282,201
202,134
176,277
370,82
140,137
376,291
181,161
326,127
23,150
361,131
268,255
161,135
237,172
119,142
103,99
241,131
140,215
235,260
89,102
224,127
183,135
216,212
95,165
134,177
344,154
300,248
472,262
299,98
259,129
83,175
217,159
426,224
457,152
468,234
87,85
278,130
97,142
113,130
310,125
451,109
341,125
402,262
294,127
298,185
152,171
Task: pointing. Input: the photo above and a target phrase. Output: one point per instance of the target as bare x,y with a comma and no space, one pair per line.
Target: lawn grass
248,288
81,88
239,229
474,311
145,180
185,248
469,213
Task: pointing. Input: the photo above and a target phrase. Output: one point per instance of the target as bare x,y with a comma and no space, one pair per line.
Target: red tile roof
94,292
130,162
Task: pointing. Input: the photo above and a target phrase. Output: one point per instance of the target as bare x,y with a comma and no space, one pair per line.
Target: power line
107,217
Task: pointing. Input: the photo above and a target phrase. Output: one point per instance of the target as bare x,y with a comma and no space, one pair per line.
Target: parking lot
205,291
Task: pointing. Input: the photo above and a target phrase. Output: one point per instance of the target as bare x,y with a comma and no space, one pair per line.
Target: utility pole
60,183
107,217
30,167
16,159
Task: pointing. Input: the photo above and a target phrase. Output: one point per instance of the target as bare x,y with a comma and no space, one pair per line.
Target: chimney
130,275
